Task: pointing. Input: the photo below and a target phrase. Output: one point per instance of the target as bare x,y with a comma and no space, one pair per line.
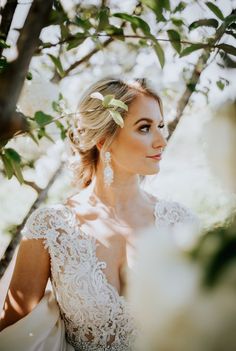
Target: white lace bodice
96,317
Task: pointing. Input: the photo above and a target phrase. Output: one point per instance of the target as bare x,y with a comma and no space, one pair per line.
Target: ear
100,144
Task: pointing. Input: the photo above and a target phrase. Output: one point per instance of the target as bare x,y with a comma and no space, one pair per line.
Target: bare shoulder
32,265
33,260
28,282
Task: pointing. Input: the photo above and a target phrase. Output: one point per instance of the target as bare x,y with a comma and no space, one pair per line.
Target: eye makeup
148,126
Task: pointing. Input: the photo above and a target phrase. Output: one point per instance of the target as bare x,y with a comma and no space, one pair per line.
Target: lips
155,156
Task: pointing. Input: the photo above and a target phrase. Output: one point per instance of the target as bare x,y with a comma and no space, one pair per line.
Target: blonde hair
96,124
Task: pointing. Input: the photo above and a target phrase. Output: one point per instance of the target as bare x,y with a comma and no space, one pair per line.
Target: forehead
144,106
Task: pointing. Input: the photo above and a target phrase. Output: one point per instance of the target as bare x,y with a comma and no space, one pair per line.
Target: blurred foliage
216,251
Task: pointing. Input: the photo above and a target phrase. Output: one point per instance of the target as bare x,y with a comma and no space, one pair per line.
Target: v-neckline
120,298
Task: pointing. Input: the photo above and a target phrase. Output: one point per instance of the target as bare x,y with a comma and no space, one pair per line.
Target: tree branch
195,77
12,78
132,36
87,57
7,16
7,257
33,185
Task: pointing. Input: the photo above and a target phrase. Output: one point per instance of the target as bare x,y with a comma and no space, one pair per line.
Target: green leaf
58,65
227,48
3,64
62,129
231,19
32,136
191,49
157,7
42,118
175,39
76,41
165,4
56,107
83,23
135,21
15,160
118,103
57,5
220,84
29,76
143,43
64,32
117,117
107,99
3,44
178,22
42,133
113,30
180,7
7,166
210,22
57,17
12,155
215,9
103,16
18,173
160,53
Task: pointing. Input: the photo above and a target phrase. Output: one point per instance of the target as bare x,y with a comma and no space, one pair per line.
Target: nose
159,140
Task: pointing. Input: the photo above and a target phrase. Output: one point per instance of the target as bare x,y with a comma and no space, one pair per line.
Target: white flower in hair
111,104
97,95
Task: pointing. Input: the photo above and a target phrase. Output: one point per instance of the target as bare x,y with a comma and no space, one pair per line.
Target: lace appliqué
172,213
96,317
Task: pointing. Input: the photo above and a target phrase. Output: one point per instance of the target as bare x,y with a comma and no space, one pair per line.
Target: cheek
134,145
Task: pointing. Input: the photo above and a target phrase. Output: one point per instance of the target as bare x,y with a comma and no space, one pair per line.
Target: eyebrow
146,119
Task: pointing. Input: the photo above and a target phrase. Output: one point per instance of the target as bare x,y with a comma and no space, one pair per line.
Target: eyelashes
148,126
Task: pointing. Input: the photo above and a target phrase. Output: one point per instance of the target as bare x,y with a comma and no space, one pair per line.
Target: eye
144,128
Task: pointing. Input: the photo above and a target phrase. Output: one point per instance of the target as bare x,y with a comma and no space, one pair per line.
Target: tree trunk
7,16
12,79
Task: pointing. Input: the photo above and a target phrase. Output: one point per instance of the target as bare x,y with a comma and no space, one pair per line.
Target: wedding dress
88,311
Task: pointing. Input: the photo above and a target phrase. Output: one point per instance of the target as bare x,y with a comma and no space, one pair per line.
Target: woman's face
140,139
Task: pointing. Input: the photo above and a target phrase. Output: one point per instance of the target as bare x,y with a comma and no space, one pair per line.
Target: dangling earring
108,171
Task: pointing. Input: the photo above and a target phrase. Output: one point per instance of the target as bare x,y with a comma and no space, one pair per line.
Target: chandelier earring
108,171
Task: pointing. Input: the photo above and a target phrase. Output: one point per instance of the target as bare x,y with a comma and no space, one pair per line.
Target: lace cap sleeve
45,223
173,213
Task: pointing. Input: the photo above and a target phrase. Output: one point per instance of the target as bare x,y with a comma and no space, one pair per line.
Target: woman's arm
28,283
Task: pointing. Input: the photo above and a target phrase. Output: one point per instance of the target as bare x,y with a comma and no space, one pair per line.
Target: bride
85,245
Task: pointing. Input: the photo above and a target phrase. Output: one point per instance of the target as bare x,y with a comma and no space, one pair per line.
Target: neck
121,194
